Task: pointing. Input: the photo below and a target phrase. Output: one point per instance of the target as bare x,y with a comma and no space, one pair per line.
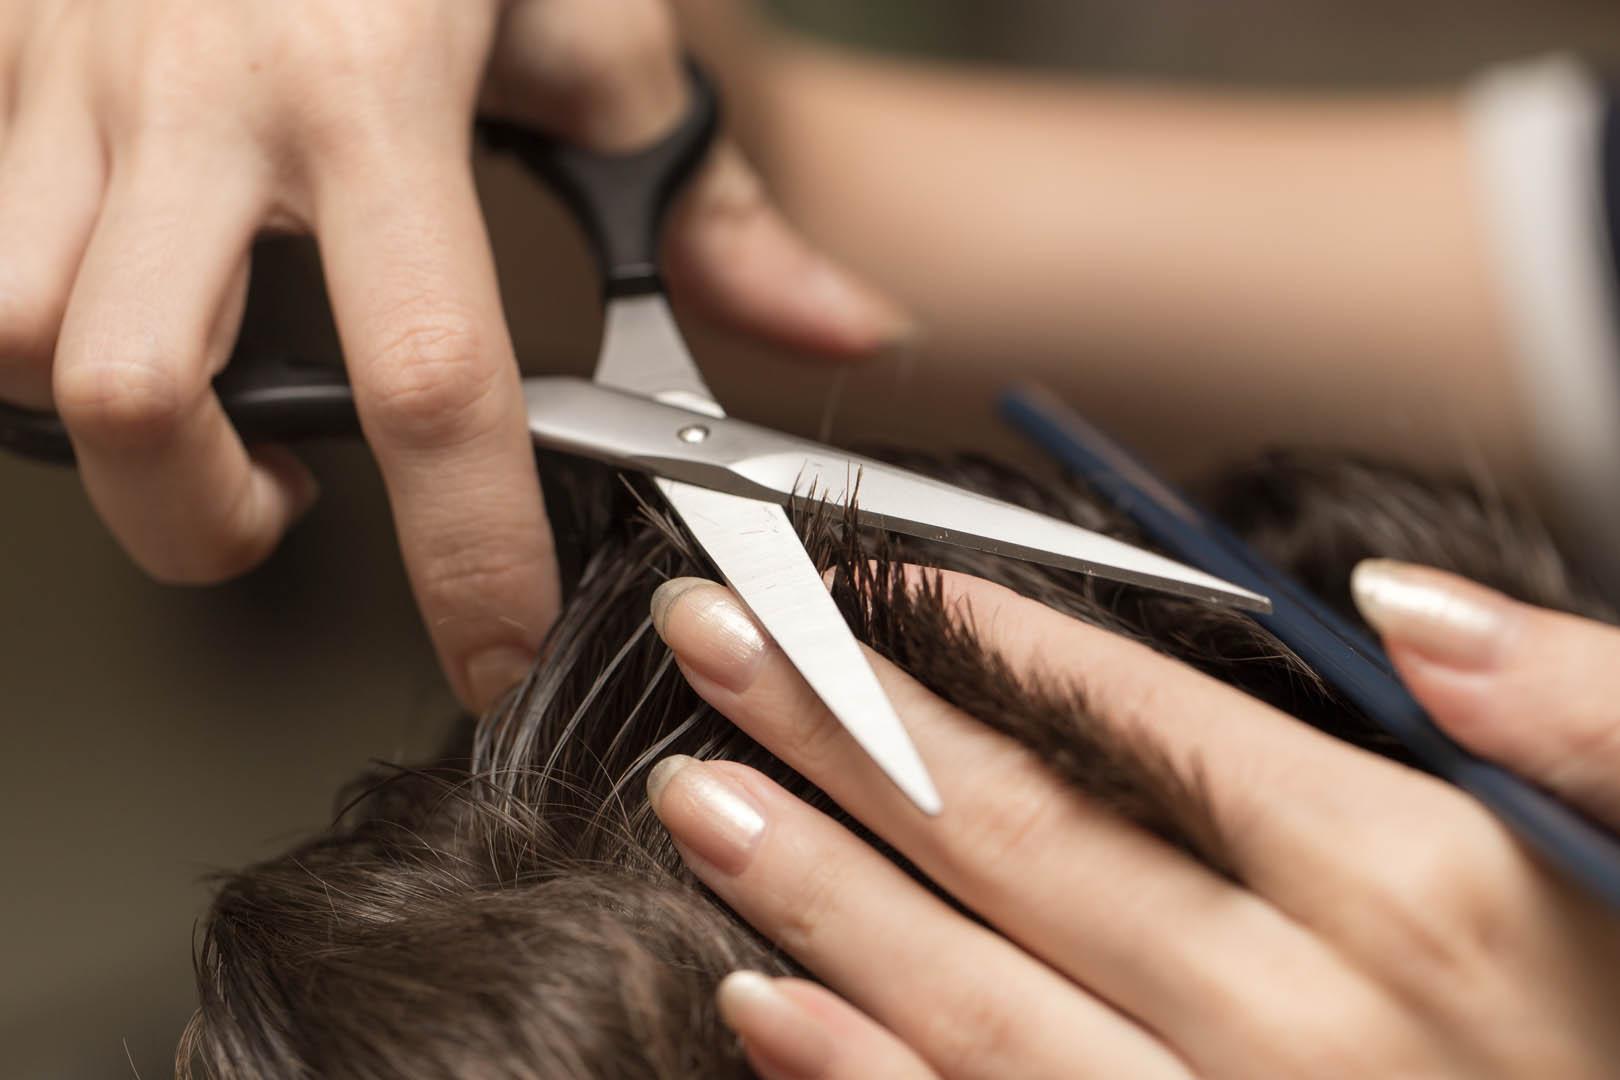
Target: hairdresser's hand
143,144
1375,921
1536,691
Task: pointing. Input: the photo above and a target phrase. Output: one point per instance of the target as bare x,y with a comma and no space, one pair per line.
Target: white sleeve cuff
1536,137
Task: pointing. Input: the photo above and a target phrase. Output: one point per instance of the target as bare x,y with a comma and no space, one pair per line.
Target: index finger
970,1001
436,383
1070,879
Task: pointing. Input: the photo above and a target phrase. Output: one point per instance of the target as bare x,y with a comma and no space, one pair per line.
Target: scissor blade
763,560
690,443
894,498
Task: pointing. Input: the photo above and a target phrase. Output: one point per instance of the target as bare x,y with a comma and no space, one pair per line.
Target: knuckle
1000,831
810,908
432,383
733,196
639,45
1433,908
606,59
810,735
342,71
463,575
167,83
336,41
603,48
176,71
129,403
1591,745
977,1035
1305,1036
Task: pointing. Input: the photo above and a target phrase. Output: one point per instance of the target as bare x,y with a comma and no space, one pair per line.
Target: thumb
610,76
734,256
1536,691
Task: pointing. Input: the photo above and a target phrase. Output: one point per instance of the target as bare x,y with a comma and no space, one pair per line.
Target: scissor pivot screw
692,433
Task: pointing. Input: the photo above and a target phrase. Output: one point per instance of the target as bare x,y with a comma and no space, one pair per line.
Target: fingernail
491,674
662,773
791,1041
1442,617
664,597
706,812
709,630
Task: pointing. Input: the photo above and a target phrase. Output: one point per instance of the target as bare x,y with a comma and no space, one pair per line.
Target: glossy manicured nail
491,674
1443,618
706,812
784,1038
664,597
709,630
658,779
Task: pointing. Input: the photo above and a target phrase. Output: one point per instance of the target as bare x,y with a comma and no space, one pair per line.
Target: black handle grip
268,398
621,199
37,435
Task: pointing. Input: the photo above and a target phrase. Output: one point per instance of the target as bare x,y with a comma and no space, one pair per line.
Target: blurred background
158,735
1269,42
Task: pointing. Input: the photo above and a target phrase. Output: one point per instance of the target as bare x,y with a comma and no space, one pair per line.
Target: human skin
1377,922
1315,263
145,143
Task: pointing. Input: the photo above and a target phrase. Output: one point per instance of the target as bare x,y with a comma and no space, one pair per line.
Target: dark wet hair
515,911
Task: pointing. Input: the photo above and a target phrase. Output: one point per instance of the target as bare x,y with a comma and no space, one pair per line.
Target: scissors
1345,658
647,409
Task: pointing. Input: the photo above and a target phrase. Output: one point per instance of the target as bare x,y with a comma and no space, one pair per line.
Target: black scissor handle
620,200
269,398
36,435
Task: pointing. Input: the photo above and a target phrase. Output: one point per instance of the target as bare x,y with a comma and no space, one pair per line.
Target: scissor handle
269,398
36,435
621,200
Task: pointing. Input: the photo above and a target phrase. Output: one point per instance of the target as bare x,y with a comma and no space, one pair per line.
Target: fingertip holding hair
777,1034
665,597
712,634
659,776
1443,618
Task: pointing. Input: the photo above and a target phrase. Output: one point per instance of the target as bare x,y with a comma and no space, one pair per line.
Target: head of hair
515,910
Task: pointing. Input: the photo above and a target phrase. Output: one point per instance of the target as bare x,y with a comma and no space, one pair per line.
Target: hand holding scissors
144,144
